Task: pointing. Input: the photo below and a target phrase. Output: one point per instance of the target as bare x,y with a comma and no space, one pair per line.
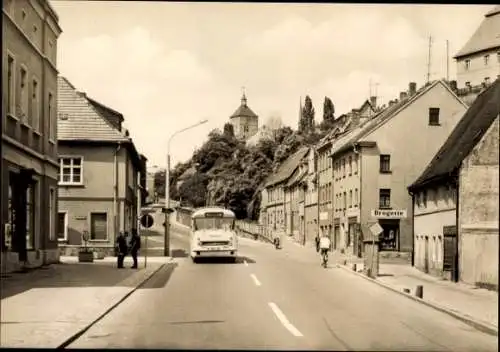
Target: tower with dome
245,122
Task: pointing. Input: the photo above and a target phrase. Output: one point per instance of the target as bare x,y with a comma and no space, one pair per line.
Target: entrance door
336,236
450,249
389,239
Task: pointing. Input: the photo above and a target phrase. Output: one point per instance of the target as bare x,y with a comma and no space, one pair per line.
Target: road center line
293,330
257,282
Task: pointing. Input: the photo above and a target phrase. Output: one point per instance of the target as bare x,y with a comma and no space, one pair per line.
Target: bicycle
324,257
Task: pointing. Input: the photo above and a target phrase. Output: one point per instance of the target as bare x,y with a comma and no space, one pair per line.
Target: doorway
389,238
426,255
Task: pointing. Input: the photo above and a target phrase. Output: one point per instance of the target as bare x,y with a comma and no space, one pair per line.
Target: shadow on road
95,274
179,253
215,260
160,279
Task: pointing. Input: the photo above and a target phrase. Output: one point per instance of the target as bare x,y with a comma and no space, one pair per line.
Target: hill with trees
230,172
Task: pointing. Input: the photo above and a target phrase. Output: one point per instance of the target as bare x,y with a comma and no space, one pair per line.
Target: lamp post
166,249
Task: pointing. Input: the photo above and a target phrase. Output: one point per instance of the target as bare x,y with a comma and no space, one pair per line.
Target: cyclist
324,245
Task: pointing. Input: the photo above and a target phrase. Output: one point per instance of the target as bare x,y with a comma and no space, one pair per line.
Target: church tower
245,122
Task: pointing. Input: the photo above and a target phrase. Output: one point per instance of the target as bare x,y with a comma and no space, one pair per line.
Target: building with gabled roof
275,187
100,173
245,122
478,62
455,199
374,162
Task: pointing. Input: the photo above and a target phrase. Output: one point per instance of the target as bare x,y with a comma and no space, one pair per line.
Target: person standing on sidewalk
135,245
317,242
121,248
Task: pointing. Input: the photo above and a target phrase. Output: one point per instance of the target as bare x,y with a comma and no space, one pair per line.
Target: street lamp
166,250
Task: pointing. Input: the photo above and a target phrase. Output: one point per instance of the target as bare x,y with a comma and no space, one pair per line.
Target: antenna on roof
429,60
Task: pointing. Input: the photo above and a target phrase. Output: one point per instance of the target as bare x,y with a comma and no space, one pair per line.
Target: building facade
100,173
294,202
245,122
376,161
456,199
30,32
478,61
311,213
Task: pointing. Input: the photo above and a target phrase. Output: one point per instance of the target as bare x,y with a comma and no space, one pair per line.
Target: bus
213,234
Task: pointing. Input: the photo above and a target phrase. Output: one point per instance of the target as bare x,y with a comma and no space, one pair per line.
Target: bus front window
225,224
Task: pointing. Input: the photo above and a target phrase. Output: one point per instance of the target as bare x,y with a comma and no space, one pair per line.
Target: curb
478,325
76,336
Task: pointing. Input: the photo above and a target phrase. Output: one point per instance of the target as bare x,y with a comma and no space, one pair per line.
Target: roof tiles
286,169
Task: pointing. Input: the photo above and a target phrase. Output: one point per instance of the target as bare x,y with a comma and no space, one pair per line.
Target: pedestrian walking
121,249
317,242
135,245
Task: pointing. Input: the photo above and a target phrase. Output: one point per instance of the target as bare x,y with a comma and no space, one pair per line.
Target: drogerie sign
389,214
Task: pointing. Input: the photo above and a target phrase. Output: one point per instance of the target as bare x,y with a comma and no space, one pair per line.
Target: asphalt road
274,299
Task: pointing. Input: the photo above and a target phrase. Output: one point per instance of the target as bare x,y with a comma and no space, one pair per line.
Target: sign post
146,221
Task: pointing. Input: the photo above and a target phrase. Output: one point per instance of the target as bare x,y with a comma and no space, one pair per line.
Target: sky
166,66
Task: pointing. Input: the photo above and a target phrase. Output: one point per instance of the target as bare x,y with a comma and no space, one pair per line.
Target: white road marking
257,282
293,330
246,263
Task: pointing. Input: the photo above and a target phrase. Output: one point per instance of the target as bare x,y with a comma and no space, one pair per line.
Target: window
433,116
52,214
62,226
23,95
356,197
70,171
384,198
245,128
350,199
99,226
34,117
345,200
385,163
467,64
356,158
350,165
30,217
424,198
52,125
498,56
486,60
343,167
10,85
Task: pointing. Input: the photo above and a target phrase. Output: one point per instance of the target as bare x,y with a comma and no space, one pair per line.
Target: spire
243,98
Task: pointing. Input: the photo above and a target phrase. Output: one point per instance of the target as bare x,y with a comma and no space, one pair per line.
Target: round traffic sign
147,221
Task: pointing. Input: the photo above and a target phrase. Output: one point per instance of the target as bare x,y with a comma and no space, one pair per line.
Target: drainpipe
360,174
115,190
413,228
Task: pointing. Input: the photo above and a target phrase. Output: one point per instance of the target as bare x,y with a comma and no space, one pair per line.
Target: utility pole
429,60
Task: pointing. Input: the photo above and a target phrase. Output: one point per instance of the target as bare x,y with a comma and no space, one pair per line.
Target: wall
399,137
430,216
478,70
479,211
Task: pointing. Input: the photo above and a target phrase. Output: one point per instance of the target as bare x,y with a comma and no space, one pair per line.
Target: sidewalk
45,307
478,306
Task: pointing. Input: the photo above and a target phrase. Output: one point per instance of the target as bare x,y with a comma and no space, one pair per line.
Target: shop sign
389,214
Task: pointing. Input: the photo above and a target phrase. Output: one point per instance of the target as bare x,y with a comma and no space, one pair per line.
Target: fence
243,228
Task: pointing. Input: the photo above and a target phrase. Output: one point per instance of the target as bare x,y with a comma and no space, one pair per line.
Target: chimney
453,85
402,95
412,88
373,101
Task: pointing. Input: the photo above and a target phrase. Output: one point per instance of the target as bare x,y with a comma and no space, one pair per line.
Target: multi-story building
30,32
100,173
294,202
275,186
478,62
325,169
245,122
375,162
455,199
311,216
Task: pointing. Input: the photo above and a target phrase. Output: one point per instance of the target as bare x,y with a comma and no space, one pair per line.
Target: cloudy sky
168,65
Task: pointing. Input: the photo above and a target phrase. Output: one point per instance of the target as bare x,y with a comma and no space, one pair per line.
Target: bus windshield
225,224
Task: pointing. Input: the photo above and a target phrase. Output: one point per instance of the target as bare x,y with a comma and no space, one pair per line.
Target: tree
159,182
307,116
194,190
229,130
328,110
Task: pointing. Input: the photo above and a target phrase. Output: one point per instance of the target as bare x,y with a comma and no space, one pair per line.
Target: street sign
376,229
147,221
